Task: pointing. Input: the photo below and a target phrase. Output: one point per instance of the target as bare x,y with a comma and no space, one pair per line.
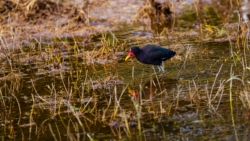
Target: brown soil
49,19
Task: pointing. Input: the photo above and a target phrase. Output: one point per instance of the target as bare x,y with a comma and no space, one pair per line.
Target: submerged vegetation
63,74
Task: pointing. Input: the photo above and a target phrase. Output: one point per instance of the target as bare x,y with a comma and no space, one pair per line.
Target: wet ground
70,81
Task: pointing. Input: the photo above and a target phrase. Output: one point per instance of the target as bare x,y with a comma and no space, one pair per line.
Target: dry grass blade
31,4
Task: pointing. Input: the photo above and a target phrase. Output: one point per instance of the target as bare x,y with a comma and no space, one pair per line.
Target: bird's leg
163,66
160,69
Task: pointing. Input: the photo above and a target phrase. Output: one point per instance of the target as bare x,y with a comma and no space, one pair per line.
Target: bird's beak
129,55
127,58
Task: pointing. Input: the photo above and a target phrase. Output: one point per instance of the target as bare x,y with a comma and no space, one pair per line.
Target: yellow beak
127,58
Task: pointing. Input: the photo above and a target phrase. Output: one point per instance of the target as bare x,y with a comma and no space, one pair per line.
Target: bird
151,54
162,18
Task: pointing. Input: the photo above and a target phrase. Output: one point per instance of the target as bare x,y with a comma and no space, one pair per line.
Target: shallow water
72,90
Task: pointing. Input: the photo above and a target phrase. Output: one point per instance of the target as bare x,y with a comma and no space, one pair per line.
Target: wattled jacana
151,54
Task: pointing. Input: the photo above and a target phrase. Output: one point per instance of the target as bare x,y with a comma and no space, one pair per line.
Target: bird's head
130,54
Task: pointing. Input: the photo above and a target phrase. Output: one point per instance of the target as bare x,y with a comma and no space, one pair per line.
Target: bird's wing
157,53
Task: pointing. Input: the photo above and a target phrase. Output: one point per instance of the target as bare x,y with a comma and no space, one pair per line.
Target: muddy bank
52,19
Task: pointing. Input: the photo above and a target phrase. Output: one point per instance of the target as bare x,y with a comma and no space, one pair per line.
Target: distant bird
161,16
161,9
151,54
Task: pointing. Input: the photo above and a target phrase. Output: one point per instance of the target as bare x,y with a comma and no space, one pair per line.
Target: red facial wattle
129,55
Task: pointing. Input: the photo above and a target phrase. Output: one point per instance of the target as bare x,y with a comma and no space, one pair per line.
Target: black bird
151,54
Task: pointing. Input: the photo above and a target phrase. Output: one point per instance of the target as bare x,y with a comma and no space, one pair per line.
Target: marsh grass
57,100
62,98
82,86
